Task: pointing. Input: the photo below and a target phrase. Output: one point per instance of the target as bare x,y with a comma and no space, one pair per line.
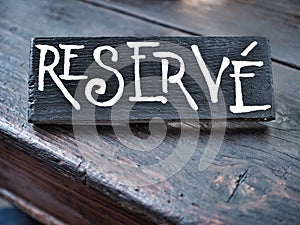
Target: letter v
212,86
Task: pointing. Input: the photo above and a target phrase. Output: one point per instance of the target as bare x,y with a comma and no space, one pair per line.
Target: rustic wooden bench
253,180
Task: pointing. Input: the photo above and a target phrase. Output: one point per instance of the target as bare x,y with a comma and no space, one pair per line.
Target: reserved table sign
86,80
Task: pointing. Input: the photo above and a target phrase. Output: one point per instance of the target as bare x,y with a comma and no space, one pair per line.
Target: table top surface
255,175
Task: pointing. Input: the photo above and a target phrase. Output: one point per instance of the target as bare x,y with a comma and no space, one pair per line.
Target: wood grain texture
278,21
64,200
51,106
254,179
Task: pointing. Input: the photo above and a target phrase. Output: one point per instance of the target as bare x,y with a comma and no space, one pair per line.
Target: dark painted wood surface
52,105
254,178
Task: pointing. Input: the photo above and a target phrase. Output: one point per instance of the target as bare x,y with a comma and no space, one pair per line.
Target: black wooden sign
86,80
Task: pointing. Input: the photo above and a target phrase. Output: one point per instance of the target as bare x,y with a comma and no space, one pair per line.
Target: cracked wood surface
254,178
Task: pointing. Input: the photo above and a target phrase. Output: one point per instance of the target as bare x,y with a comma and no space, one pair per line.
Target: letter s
101,82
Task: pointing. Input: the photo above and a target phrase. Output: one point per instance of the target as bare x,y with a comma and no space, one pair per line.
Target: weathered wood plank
65,200
254,177
29,208
278,20
53,97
